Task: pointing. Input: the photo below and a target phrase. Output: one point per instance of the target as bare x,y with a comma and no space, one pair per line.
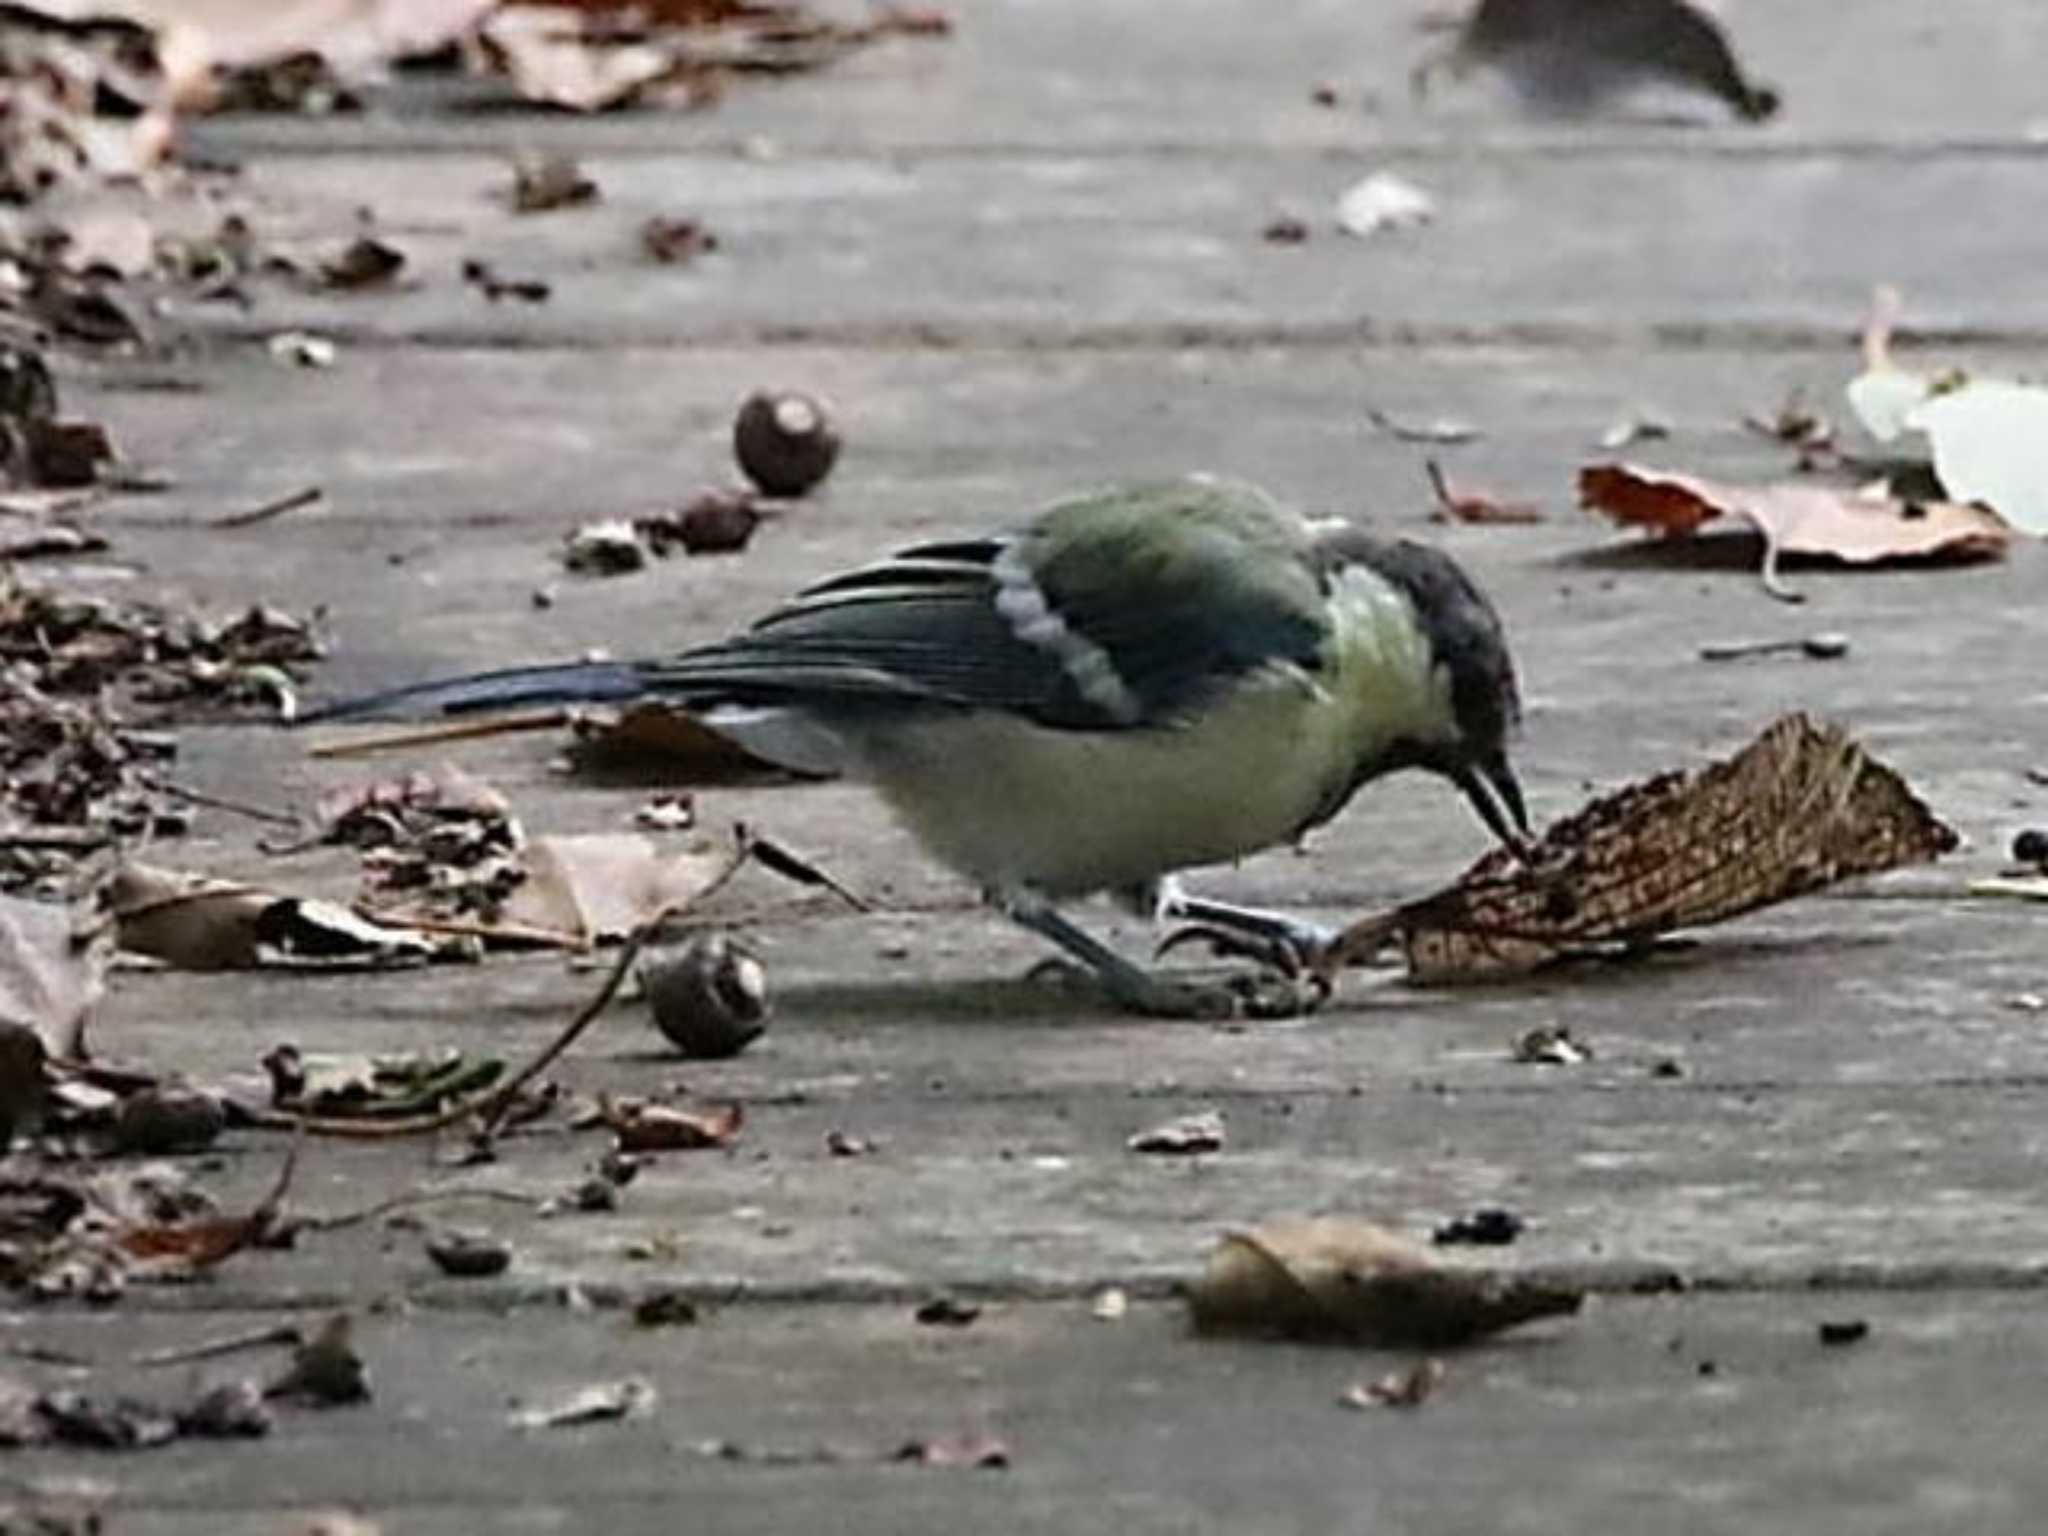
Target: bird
1135,681
1565,55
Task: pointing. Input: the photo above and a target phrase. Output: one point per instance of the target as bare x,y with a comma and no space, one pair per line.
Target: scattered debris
53,962
1442,431
547,182
163,1119
966,1451
302,349
485,278
1110,1305
600,1403
1383,202
609,547
785,442
1489,1226
662,1128
665,1307
1397,1389
1548,1047
325,1371
1337,1277
1285,229
469,1255
840,1143
374,1087
1201,1132
1800,808
1637,427
1462,506
709,523
1852,527
365,262
1826,645
709,998
1795,422
672,811
946,1311
1569,58
675,241
1848,1331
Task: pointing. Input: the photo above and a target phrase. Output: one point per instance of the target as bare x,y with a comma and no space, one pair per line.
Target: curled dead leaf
1796,519
1341,1278
660,1128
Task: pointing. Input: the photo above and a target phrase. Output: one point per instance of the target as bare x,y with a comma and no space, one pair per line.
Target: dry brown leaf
1335,1277
176,1249
666,741
587,889
549,56
1800,808
194,923
1796,519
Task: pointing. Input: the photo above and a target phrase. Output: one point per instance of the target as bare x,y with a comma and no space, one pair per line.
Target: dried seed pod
710,998
785,442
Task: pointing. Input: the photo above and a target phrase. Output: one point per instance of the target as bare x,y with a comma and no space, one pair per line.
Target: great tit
1137,681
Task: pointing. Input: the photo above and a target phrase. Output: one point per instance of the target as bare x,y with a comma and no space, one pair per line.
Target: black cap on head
1466,636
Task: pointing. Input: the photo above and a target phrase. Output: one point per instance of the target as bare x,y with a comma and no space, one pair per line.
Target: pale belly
1014,805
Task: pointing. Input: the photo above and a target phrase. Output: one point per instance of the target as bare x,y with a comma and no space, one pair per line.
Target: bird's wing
1126,607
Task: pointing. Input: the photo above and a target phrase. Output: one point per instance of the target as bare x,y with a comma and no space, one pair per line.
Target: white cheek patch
1024,608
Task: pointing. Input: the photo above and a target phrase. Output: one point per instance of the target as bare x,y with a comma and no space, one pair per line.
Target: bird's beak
1489,783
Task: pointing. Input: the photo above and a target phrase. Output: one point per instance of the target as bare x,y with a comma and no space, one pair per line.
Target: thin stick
216,802
460,730
493,1104
232,1344
270,509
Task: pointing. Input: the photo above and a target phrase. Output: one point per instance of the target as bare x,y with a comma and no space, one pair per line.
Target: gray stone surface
1025,260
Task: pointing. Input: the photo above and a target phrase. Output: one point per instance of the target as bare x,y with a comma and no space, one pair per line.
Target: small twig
337,1220
459,730
217,802
232,1344
794,866
270,509
1769,576
1437,483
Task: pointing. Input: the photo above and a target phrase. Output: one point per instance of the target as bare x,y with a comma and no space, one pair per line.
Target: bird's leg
1143,991
1290,945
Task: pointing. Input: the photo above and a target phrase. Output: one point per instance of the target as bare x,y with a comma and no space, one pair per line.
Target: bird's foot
1289,945
1260,994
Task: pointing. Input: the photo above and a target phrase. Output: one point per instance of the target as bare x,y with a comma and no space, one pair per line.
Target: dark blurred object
1566,56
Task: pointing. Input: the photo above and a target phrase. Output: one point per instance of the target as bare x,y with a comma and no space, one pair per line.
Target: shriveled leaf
178,1249
1336,1277
1796,519
593,1404
52,972
586,889
195,923
660,1128
1799,809
549,57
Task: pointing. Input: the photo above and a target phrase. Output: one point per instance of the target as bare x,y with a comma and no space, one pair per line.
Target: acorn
784,441
710,997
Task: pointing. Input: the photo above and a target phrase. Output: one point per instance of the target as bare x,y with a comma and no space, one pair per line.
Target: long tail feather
575,682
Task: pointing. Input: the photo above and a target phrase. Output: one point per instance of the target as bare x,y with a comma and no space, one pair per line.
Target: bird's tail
574,682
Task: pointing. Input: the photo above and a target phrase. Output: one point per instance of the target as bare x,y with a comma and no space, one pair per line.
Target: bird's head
1469,652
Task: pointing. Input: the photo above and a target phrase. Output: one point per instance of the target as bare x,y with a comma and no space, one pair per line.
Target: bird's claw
1287,954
